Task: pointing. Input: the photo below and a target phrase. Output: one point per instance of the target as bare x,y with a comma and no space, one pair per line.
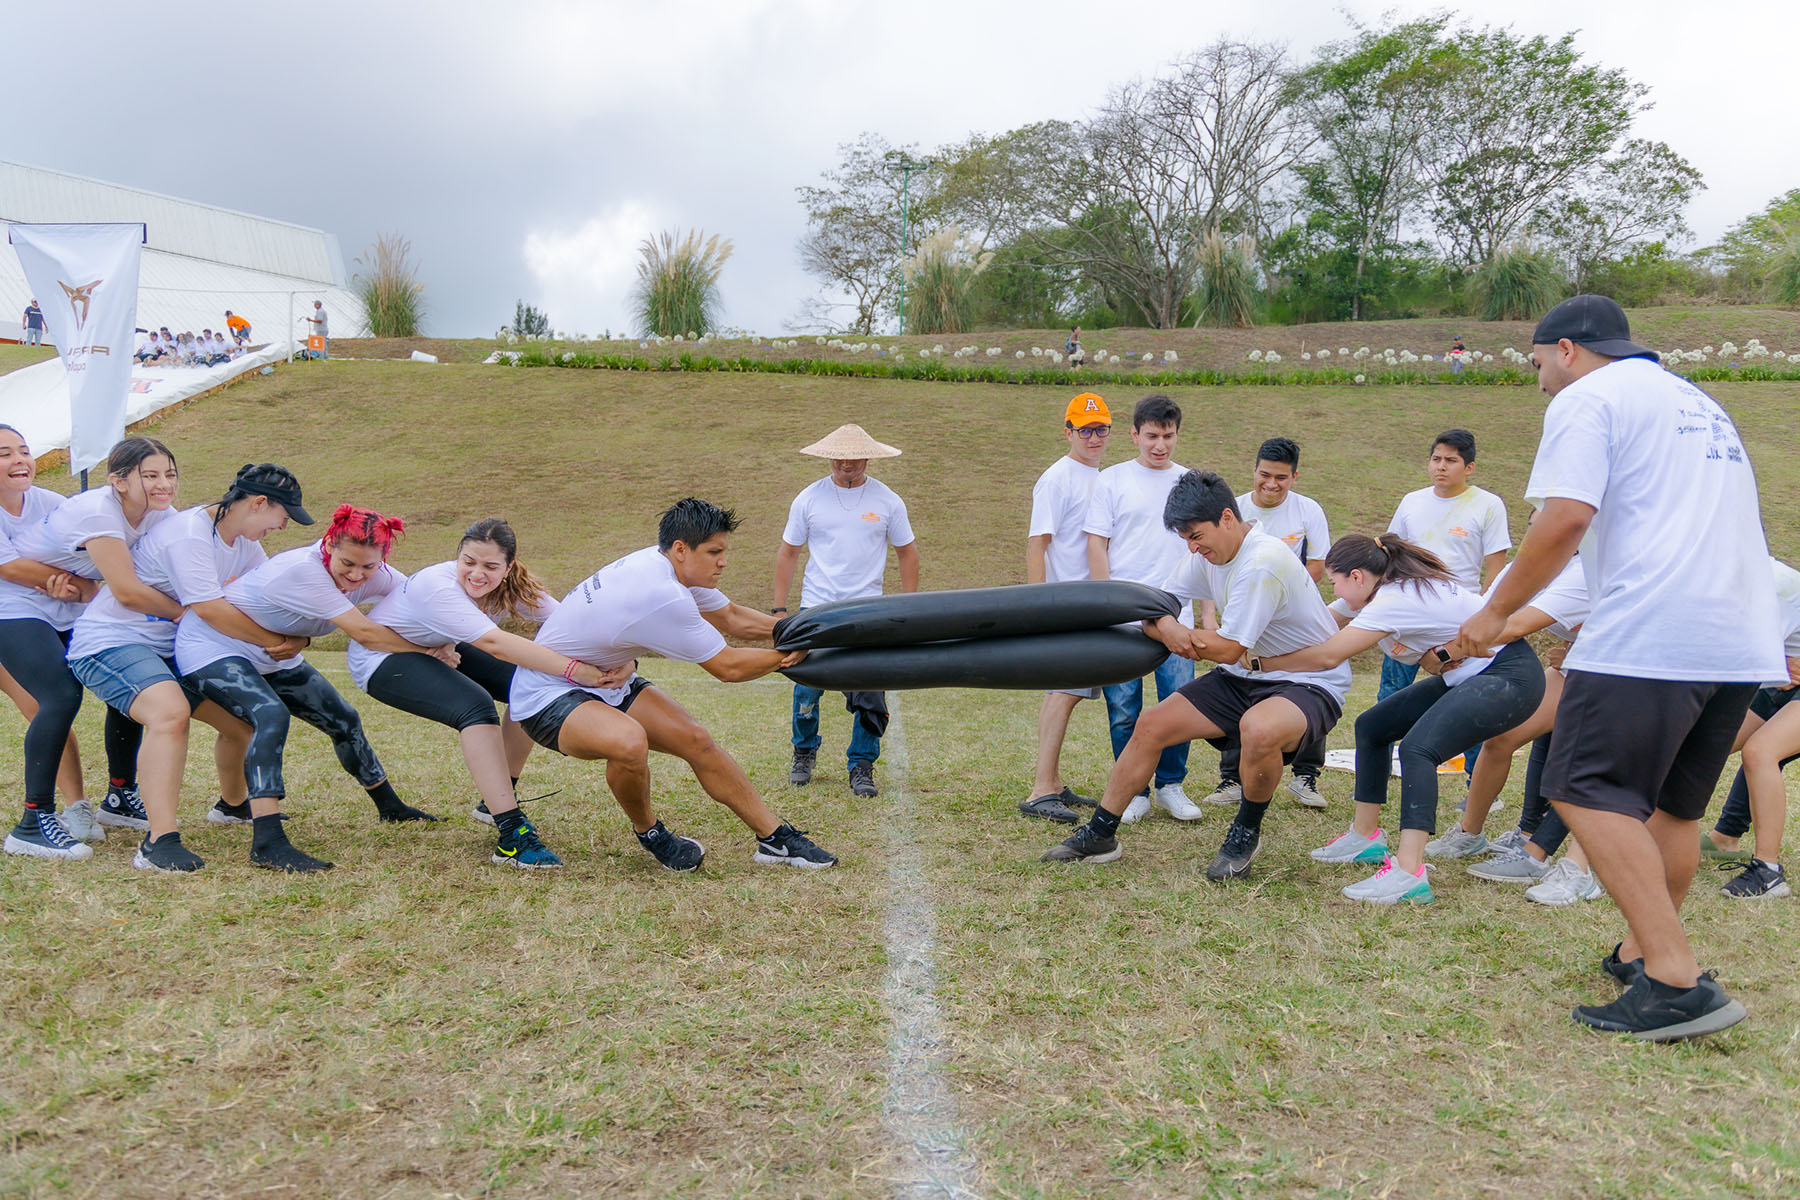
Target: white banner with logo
86,280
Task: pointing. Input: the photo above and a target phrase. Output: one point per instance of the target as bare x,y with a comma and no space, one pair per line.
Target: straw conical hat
849,441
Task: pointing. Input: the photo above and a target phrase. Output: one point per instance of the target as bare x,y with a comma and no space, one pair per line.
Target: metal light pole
906,165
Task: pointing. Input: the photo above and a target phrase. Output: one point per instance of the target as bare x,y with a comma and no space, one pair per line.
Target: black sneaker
1084,845
1236,855
523,848
1758,881
406,812
1620,970
480,813
166,853
1653,1011
229,814
673,851
283,855
800,774
123,810
1049,807
790,847
862,780
1075,799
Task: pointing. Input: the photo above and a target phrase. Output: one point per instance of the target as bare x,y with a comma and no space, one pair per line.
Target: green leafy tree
529,321
1748,252
1521,121
852,239
1638,196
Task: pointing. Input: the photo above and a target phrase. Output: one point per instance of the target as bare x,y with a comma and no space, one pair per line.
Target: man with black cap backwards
847,521
1646,474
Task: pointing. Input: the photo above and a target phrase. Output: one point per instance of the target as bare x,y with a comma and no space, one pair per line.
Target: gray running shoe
1228,792
1511,842
1458,843
1306,791
801,773
1511,868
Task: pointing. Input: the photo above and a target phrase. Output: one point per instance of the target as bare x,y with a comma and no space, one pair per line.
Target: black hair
1198,496
9,428
1280,450
1156,410
265,473
1390,558
693,522
1459,440
129,454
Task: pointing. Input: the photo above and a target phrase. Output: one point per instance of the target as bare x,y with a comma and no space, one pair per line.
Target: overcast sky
526,147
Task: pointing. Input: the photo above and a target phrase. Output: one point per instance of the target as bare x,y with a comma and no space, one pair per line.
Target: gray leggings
264,702
1433,723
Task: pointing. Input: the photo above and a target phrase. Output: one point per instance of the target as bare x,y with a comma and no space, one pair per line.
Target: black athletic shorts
1770,701
545,725
1223,697
1633,746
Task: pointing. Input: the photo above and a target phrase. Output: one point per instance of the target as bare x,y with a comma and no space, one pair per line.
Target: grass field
418,1023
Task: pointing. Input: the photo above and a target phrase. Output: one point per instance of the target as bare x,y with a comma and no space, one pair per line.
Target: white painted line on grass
919,1113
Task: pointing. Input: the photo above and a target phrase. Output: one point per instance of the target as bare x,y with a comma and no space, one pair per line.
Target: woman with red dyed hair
305,592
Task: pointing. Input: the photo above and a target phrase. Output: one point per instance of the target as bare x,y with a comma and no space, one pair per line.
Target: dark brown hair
1390,558
519,592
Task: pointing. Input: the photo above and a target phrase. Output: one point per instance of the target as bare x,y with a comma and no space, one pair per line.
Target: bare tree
852,241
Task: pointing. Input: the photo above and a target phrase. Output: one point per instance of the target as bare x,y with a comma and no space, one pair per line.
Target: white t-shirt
184,559
1059,506
1675,558
1565,601
18,602
631,607
1127,507
1267,603
59,539
430,609
1416,616
1462,530
847,532
1787,599
1297,521
291,593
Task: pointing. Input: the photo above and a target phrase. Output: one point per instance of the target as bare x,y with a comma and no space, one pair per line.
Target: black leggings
461,697
34,654
1434,723
264,702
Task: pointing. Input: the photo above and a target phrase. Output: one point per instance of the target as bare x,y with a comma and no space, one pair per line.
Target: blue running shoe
524,849
123,810
41,835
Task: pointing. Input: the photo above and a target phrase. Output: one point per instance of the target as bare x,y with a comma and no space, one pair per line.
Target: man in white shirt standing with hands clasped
847,521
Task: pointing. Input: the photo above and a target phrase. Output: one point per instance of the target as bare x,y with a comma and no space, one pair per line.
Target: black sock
121,737
1250,815
1103,823
515,780
266,832
509,821
385,798
46,806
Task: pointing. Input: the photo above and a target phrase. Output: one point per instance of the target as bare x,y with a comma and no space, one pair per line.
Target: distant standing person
1458,352
1072,347
240,328
33,325
321,326
1056,550
847,521
1651,472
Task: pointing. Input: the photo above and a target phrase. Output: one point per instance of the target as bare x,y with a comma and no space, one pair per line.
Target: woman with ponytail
457,603
305,593
1402,598
128,659
57,562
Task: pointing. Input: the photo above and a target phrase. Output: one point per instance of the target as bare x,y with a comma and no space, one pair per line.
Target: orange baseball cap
1087,409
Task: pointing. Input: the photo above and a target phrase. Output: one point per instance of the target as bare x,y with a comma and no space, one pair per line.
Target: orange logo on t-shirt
1458,531
869,516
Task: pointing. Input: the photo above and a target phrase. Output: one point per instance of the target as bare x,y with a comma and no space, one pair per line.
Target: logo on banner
79,299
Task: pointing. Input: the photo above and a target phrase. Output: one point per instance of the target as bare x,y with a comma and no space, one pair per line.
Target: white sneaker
1137,810
1351,846
82,822
1225,793
1172,800
1393,885
1306,791
1565,884
1458,843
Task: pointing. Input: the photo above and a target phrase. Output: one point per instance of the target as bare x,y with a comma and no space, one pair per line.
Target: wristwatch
1256,664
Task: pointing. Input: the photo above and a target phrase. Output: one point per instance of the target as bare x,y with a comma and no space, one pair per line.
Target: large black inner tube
1037,662
908,620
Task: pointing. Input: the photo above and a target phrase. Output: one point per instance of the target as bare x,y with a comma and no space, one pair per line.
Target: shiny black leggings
264,703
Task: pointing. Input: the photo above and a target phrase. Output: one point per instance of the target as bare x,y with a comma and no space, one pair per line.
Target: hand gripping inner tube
1037,662
1033,608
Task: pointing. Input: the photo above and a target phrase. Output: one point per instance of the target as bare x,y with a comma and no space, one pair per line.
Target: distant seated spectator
186,353
218,350
240,328
146,347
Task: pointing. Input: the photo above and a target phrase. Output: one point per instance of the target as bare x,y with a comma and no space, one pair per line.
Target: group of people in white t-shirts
1678,642
187,349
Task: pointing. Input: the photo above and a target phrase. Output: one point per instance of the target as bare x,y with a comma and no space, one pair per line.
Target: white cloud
585,274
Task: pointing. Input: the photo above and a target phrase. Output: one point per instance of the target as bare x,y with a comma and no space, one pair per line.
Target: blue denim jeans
120,674
864,746
1124,701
